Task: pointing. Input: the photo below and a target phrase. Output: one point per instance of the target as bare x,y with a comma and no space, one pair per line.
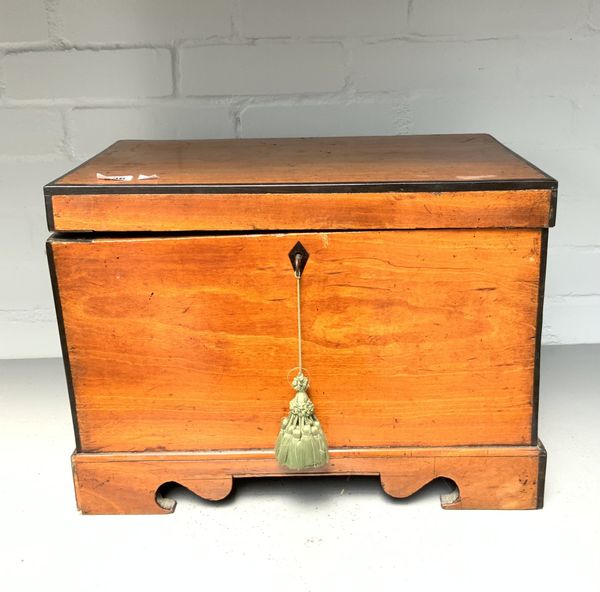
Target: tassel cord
298,276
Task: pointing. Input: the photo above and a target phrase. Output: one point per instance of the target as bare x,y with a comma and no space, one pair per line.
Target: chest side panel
411,338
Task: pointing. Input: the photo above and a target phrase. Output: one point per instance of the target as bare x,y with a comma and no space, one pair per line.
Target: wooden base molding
487,477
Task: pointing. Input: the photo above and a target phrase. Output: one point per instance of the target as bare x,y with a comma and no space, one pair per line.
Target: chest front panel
411,338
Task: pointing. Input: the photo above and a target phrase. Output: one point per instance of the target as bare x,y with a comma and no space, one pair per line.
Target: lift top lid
249,173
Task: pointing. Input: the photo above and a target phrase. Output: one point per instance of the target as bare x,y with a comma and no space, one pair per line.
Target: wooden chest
421,313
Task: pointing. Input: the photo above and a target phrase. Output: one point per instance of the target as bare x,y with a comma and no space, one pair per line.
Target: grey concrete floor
298,534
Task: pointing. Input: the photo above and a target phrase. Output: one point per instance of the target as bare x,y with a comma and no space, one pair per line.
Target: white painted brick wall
147,22
94,128
571,271
114,73
75,75
445,66
264,121
481,19
23,20
501,116
566,66
323,18
595,15
267,68
32,132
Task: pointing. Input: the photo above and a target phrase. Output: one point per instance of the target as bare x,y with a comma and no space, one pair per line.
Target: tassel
301,443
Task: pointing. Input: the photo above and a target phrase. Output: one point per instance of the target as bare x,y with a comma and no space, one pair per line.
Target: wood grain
412,338
438,158
487,477
324,211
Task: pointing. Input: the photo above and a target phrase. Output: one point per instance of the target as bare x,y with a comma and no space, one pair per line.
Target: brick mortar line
235,20
566,298
176,71
342,97
53,19
592,247
67,144
58,44
61,46
2,81
48,157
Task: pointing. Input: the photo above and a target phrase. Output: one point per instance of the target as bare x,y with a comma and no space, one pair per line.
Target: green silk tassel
301,443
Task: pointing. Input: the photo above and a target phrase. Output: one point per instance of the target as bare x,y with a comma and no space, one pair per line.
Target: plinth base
487,477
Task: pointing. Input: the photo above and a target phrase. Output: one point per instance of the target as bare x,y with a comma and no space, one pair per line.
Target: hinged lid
445,181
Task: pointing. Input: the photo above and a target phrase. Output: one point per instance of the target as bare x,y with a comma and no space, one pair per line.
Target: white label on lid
114,177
